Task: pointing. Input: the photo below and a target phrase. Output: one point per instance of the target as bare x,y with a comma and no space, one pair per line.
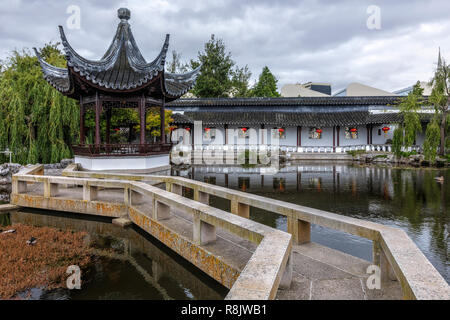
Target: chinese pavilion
122,78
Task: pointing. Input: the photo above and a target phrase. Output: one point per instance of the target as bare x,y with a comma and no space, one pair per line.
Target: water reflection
411,199
134,266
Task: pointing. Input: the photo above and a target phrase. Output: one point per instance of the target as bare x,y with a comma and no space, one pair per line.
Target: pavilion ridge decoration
122,78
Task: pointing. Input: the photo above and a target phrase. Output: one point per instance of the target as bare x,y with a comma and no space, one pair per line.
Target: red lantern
319,131
207,129
281,130
187,129
244,129
353,130
386,129
116,129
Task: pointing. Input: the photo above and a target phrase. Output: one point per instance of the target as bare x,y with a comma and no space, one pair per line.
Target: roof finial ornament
124,14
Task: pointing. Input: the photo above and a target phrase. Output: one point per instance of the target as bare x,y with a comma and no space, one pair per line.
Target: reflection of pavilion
122,78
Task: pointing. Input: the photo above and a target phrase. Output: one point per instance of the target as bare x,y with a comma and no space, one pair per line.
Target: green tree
440,98
176,64
37,123
266,85
397,141
214,80
407,130
240,82
432,140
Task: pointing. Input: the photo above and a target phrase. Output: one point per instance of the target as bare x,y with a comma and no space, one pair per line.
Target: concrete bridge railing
268,268
393,251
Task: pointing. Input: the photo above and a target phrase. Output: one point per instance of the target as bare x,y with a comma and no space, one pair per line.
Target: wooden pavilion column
108,125
98,111
225,127
299,136
163,120
338,130
334,138
82,123
142,121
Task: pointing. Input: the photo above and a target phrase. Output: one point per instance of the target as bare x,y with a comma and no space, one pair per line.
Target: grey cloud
320,40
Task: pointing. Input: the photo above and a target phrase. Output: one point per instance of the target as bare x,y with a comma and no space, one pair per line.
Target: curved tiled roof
122,67
300,101
58,78
325,119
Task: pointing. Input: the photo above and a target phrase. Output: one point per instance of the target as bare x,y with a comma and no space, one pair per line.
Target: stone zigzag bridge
253,260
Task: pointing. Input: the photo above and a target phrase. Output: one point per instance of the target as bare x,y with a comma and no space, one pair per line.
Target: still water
128,263
410,199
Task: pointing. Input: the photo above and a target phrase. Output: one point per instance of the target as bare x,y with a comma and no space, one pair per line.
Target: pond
135,267
410,199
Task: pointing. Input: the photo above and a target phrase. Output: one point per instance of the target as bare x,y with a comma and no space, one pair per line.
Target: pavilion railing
121,149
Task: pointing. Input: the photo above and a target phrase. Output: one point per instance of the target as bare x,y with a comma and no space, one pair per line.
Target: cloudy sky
300,41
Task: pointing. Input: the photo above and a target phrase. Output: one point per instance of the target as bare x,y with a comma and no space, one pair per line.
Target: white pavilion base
123,163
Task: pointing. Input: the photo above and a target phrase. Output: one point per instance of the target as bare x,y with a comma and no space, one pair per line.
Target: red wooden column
338,130
82,134
225,126
108,126
98,111
334,138
142,120
163,121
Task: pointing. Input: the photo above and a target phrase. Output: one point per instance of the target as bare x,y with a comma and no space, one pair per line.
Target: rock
440,162
52,166
65,162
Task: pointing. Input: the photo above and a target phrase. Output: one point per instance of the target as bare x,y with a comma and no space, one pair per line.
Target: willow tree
440,97
37,123
406,132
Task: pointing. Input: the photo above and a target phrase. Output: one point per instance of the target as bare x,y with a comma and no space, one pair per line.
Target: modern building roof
423,84
122,69
358,89
299,90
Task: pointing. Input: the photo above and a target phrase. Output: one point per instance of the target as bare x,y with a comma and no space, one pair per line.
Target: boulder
65,162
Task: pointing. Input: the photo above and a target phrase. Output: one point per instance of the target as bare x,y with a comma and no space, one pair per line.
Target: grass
23,267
